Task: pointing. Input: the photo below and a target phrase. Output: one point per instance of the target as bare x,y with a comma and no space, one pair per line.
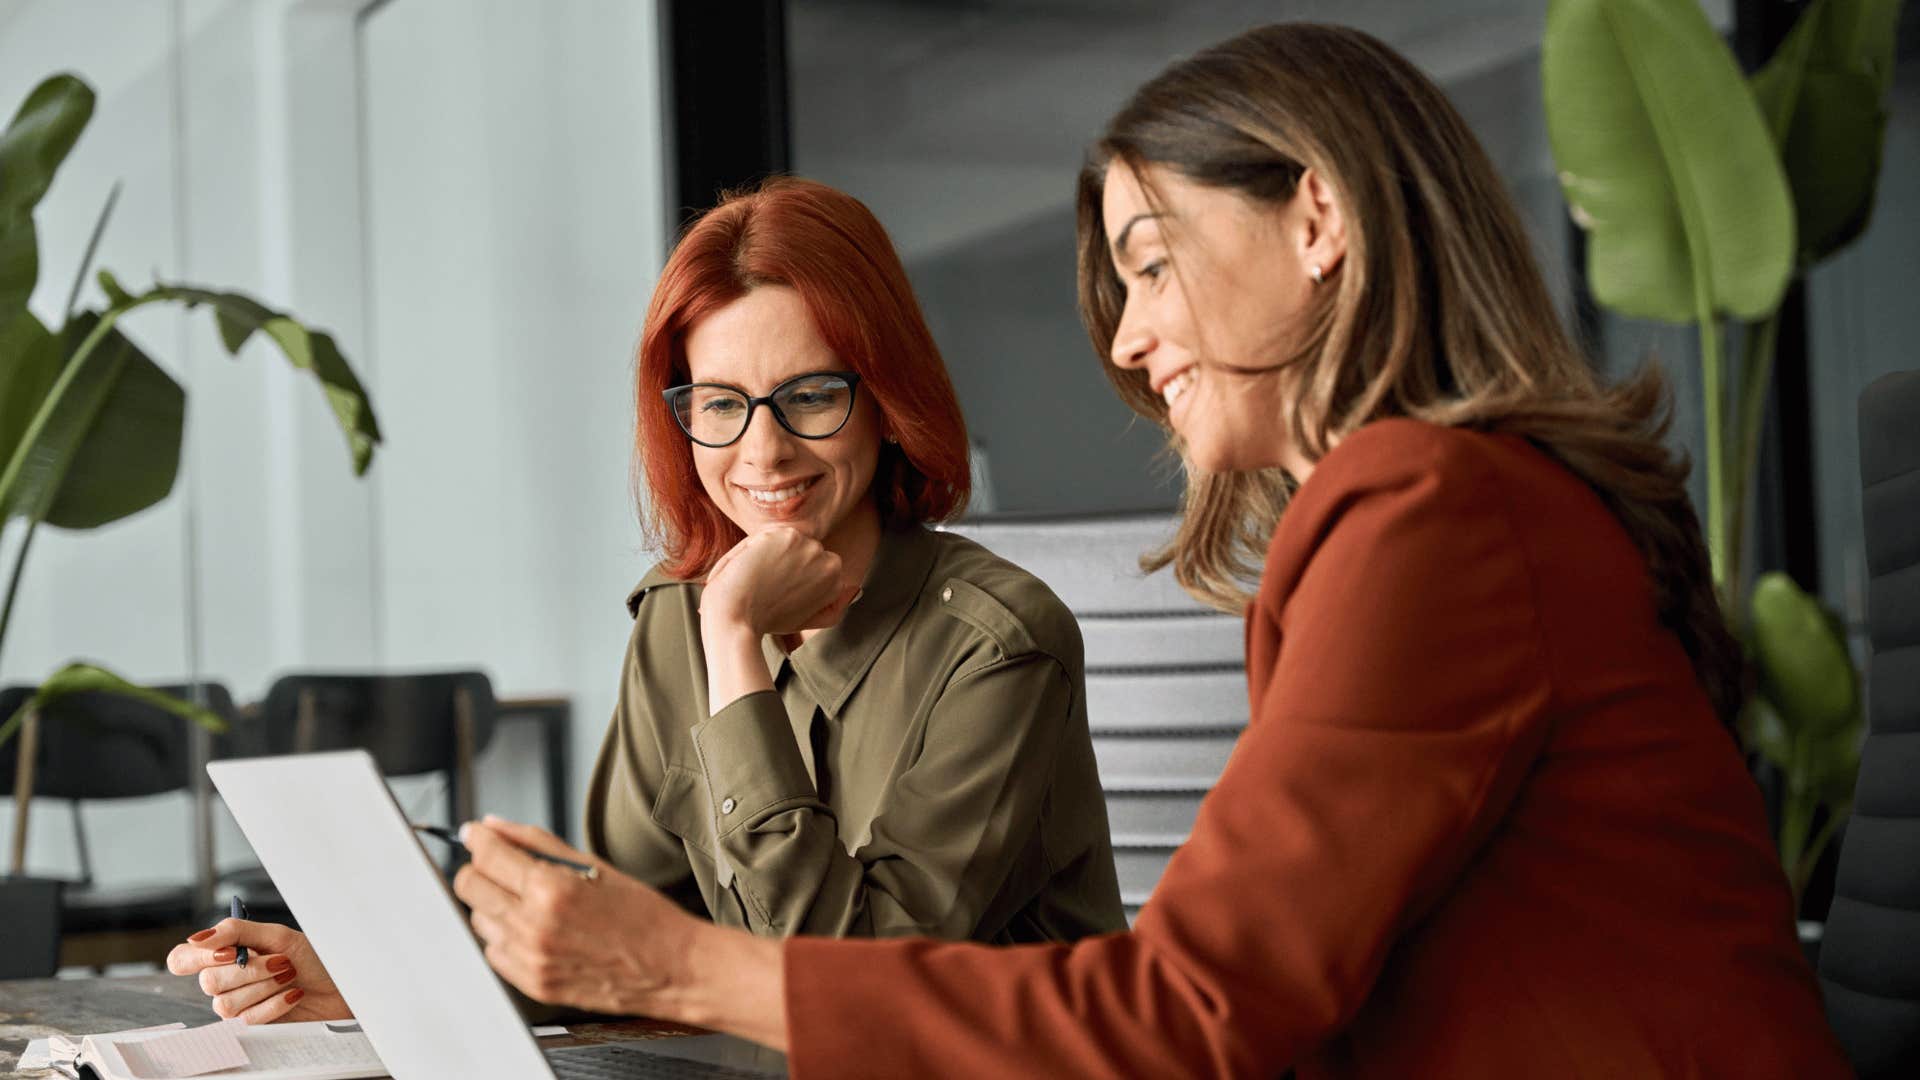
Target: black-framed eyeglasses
812,406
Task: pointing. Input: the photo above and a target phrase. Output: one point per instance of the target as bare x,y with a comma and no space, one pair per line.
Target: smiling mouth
1177,386
779,496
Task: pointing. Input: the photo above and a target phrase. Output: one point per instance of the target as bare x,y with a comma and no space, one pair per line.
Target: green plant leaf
29,364
1762,729
129,459
240,316
1824,95
1805,670
1665,160
34,144
19,260
82,678
1833,763
113,419
38,138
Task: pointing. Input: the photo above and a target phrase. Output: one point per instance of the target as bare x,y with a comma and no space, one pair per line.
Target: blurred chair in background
97,746
1166,677
1870,956
413,725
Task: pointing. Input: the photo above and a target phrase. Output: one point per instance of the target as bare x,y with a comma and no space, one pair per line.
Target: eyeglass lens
812,406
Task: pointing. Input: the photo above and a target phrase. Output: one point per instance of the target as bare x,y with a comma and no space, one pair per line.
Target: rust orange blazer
1483,823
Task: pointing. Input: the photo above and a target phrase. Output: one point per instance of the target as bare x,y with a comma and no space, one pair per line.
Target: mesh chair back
1166,677
1870,957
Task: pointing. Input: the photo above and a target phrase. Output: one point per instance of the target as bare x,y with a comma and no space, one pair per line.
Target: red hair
827,246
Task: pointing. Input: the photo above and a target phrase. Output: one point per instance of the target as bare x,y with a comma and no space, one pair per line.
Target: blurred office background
475,195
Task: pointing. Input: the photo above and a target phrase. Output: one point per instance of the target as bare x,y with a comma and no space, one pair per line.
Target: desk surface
36,1008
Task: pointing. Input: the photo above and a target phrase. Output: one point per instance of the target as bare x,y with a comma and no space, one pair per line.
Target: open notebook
306,1051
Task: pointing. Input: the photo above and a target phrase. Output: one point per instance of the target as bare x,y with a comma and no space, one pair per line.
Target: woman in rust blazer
1488,819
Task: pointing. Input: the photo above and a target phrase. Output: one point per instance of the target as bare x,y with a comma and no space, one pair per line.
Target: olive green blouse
922,768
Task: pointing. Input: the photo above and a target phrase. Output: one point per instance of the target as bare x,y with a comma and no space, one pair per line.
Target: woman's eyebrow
1120,242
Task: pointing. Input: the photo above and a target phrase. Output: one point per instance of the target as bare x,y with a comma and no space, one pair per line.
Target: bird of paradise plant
90,426
1704,194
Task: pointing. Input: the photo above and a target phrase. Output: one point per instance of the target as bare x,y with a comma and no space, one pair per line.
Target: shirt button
946,595
727,804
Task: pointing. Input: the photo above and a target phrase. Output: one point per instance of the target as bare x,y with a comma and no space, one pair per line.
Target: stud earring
1316,273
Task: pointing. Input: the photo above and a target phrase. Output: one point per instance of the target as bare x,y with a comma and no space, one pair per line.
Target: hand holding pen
237,909
284,979
454,840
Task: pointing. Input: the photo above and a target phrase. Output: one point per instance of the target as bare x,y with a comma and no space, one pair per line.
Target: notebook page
298,1050
193,1052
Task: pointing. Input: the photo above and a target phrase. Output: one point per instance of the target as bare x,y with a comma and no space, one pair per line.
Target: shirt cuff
753,767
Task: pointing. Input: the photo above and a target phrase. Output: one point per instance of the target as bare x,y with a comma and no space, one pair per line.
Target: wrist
735,665
732,981
719,626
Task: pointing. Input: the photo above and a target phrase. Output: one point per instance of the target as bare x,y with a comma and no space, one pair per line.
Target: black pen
453,838
237,908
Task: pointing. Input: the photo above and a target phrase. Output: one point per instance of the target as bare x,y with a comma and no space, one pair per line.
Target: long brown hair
1436,312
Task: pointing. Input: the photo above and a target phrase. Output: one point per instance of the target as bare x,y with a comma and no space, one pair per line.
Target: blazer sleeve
952,827
1390,733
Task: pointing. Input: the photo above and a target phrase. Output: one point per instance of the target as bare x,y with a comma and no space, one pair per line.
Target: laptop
396,941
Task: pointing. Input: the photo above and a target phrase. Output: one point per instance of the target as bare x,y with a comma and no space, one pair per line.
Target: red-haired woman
832,720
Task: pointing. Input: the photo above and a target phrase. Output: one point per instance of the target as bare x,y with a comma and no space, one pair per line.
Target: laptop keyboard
612,1061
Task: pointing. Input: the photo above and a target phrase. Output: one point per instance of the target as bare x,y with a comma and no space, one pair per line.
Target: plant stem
1712,390
1756,382
13,579
93,246
1796,819
1810,856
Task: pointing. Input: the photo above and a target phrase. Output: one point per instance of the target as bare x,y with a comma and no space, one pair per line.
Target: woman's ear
1321,225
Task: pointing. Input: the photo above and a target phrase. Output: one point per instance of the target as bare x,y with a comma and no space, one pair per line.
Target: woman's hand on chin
778,581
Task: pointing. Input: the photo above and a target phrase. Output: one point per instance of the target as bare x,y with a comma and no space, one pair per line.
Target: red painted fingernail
202,935
295,994
278,963
224,956
285,977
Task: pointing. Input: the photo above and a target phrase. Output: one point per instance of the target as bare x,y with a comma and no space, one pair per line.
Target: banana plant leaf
1824,96
29,364
1805,671
79,678
1826,763
104,439
1665,160
1762,729
239,317
130,456
34,144
112,420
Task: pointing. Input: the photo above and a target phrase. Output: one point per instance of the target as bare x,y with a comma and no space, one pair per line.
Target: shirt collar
831,664
655,578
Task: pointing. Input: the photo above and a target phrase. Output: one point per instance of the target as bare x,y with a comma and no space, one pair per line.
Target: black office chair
1870,957
98,746
412,725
